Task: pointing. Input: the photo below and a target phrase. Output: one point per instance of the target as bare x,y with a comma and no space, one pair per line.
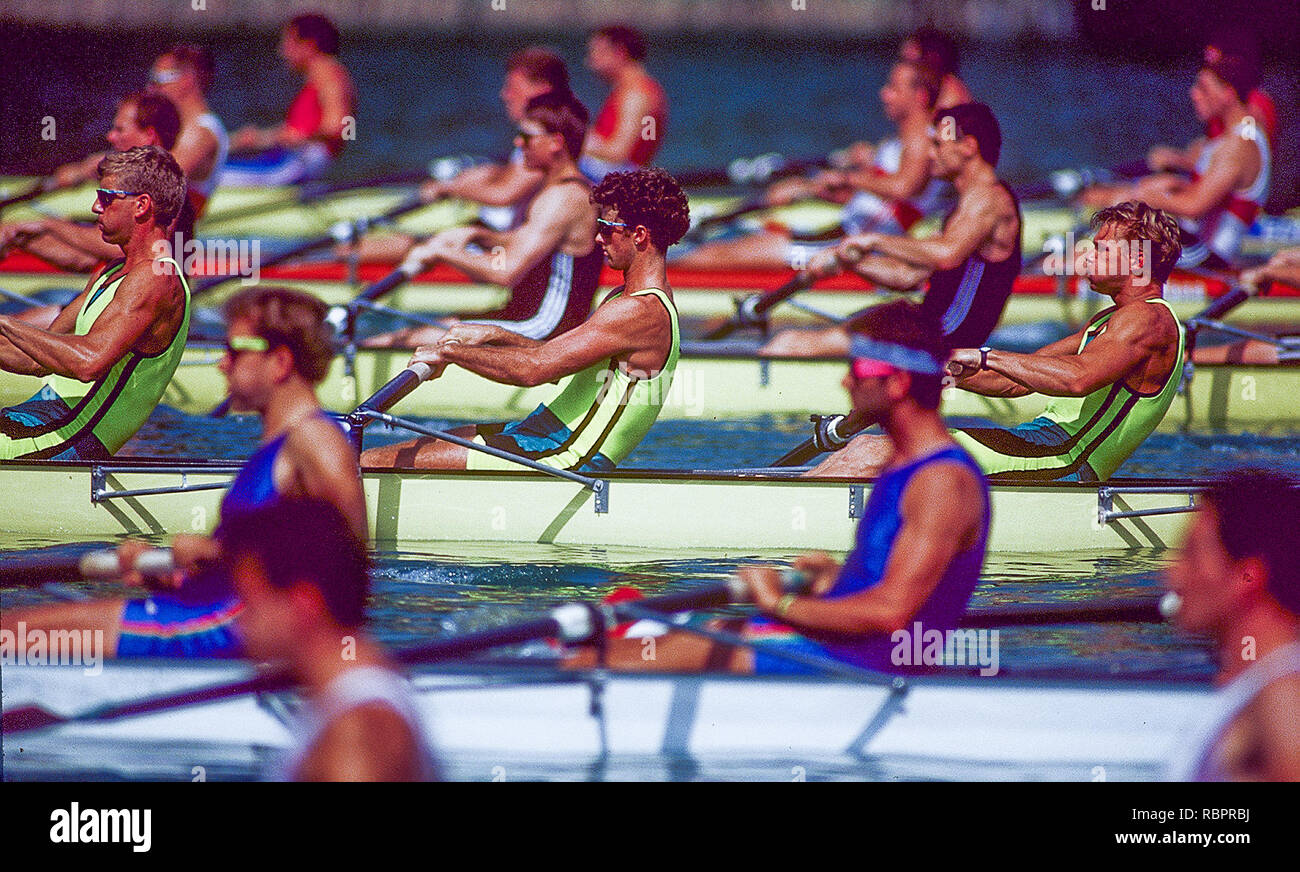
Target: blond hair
1135,220
149,170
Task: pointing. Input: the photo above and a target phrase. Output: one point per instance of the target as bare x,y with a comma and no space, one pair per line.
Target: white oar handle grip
792,581
421,369
104,563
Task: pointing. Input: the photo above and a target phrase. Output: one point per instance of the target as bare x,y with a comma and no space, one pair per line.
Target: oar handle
1117,611
751,311
389,395
104,563
1222,306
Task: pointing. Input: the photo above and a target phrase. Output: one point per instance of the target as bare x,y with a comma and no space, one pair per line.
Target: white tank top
211,122
363,685
1222,230
866,212
1194,760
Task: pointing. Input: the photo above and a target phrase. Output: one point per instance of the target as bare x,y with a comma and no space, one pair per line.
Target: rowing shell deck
534,723
739,513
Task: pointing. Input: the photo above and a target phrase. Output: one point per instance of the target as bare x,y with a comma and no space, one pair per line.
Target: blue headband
900,356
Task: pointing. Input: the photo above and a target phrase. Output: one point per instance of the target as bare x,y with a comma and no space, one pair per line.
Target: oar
571,623
1117,611
826,437
43,186
343,231
98,562
387,396
311,192
749,171
752,310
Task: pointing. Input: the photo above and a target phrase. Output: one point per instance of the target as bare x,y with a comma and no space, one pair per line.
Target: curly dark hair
650,198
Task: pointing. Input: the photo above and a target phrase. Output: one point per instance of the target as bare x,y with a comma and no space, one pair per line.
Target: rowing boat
525,723
231,213
726,512
1219,397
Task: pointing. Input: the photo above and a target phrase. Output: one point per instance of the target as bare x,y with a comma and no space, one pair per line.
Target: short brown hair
156,112
631,40
296,320
149,170
924,79
563,114
196,59
542,65
1136,220
651,198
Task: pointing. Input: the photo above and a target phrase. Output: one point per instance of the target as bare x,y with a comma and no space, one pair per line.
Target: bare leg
675,652
407,337
863,457
824,342
96,615
762,250
1251,351
422,453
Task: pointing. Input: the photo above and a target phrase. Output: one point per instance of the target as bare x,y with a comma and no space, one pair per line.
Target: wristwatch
984,357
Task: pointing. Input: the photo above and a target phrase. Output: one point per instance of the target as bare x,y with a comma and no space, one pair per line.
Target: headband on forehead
900,356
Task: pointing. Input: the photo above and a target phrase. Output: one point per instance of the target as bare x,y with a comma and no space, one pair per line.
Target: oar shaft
1117,611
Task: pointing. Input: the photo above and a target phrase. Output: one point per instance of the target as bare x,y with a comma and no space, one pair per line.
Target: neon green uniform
1076,438
595,421
74,420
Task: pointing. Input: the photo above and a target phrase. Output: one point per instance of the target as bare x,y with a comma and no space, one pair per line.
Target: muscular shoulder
367,743
1149,321
317,437
942,487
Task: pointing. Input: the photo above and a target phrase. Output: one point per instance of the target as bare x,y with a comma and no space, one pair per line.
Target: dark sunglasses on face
106,196
602,225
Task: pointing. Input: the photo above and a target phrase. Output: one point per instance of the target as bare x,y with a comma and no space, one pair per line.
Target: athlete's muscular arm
1133,336
964,364
509,256
14,359
942,508
325,467
623,326
1279,736
489,184
134,310
368,743
617,148
970,226
910,180
890,272
72,246
469,333
1195,199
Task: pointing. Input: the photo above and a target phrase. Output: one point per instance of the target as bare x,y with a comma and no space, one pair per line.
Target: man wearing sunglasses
617,366
278,348
110,354
141,120
919,546
550,262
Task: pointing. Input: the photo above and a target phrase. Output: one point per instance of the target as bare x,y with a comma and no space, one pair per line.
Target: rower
1283,267
550,262
919,546
972,263
504,190
318,122
1110,383
890,192
619,363
1259,105
937,50
303,574
141,120
183,74
1231,175
278,348
629,128
1237,581
112,351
